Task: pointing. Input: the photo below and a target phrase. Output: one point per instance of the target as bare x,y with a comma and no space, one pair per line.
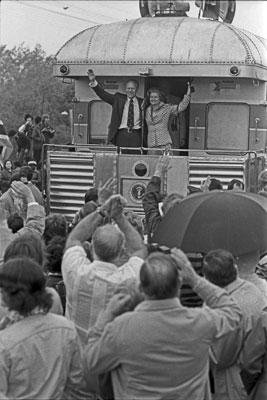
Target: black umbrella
234,221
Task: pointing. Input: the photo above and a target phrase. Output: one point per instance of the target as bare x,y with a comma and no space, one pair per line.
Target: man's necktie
130,119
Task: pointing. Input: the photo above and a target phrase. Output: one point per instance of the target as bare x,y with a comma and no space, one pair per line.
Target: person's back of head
215,184
55,225
26,173
54,254
22,284
27,245
108,243
91,195
262,180
17,165
159,277
236,185
170,200
219,267
12,133
15,222
37,120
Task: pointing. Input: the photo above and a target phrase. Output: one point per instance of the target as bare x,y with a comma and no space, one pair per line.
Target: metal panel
141,41
70,175
223,168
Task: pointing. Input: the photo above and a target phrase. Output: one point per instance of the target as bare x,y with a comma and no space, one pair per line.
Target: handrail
160,151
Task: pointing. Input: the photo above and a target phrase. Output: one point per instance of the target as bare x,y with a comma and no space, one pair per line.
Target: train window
227,126
140,169
99,118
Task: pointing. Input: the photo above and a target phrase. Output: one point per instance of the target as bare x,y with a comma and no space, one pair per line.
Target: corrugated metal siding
70,175
225,169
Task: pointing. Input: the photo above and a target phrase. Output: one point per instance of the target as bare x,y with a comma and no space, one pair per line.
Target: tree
27,85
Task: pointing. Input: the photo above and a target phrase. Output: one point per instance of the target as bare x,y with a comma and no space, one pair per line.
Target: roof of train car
162,43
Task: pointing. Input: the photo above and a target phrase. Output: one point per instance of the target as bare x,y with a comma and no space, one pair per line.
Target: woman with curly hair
39,352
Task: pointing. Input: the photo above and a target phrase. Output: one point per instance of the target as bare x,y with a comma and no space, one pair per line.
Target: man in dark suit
125,129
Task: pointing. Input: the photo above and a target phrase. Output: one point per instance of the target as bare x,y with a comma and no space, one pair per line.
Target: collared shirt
90,286
40,359
228,383
161,349
137,117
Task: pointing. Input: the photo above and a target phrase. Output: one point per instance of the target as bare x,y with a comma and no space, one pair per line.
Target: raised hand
118,304
91,75
106,190
22,191
186,270
162,165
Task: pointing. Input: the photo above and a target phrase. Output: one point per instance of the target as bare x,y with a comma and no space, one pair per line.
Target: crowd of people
25,143
93,309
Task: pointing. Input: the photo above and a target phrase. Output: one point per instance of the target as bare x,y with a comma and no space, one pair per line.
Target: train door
173,90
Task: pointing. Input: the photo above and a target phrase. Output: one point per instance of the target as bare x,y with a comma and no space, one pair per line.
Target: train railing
70,170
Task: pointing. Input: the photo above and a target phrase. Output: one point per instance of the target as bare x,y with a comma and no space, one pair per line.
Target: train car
224,127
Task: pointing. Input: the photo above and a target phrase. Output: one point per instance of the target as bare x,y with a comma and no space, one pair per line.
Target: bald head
108,242
159,277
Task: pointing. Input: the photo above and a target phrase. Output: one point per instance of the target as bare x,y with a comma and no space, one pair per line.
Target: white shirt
137,119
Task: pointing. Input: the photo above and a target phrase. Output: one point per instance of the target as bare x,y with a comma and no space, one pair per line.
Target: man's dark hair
159,276
23,286
28,116
15,176
17,164
15,222
108,242
12,132
37,120
234,182
54,254
27,172
91,195
27,245
55,224
215,184
219,267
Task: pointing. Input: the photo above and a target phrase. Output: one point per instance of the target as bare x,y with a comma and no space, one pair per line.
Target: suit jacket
117,101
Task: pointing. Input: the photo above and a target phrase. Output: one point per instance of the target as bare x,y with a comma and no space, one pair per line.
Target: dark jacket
117,101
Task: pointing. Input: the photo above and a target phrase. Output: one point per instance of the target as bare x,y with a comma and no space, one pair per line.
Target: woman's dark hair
215,184
54,254
23,286
27,245
15,222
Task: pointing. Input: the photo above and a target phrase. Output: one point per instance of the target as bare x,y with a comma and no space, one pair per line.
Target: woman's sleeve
184,103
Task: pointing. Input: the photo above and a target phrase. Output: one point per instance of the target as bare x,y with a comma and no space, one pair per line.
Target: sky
53,22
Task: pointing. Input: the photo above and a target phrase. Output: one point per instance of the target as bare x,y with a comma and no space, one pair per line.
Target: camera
153,247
